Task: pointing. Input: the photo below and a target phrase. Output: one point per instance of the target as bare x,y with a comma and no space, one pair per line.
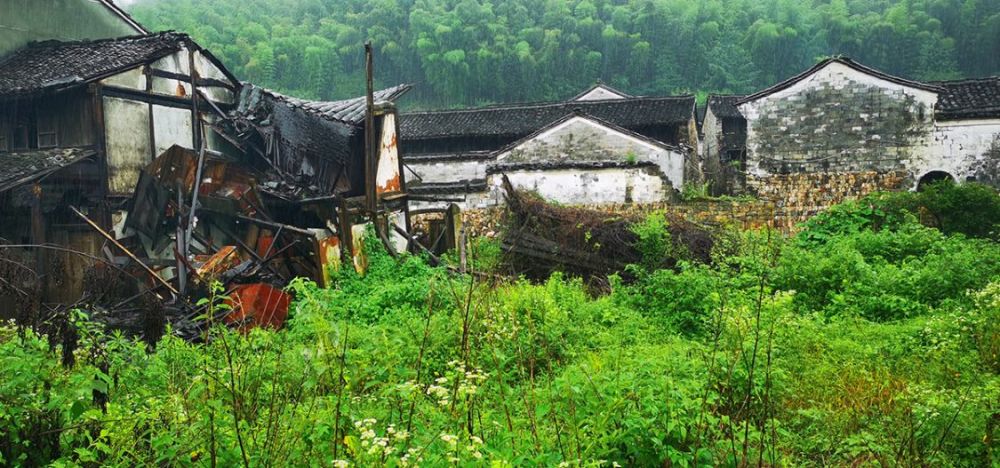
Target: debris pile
540,237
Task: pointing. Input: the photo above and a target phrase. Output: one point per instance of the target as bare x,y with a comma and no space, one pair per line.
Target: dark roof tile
972,98
523,119
52,65
724,106
349,111
21,167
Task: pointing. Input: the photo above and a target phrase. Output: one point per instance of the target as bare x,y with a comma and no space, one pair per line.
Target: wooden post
38,238
370,151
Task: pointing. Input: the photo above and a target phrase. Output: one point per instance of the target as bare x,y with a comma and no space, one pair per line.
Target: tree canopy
471,52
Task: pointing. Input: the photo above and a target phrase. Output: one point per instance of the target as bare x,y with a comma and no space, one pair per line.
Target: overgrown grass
858,346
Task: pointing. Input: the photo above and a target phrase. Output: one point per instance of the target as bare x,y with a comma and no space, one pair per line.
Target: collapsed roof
522,119
315,148
348,111
21,167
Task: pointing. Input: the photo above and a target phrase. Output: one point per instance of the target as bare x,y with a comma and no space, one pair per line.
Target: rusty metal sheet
329,257
258,305
387,177
358,247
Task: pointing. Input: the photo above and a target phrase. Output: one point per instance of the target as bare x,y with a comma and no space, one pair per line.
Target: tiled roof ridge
982,79
179,36
546,104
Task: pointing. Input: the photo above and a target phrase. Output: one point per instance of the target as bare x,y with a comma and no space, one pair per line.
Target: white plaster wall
600,93
958,148
207,69
574,186
834,74
449,171
583,139
127,142
175,63
132,79
171,126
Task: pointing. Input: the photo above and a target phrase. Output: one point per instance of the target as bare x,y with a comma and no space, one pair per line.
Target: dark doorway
933,177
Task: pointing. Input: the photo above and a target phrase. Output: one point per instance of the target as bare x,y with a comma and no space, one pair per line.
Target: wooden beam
115,242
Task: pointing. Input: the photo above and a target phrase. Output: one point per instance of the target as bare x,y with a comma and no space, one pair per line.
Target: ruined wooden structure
78,121
144,157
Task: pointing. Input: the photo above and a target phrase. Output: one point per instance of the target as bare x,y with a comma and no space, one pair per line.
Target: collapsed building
79,121
141,159
843,129
600,146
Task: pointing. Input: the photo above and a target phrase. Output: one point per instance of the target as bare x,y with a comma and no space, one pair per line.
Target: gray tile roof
523,119
349,111
51,65
972,98
724,106
20,167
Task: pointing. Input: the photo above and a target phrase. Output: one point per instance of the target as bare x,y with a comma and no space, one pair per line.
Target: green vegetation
868,339
470,52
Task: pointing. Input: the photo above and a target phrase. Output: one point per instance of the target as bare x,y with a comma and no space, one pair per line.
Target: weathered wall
23,21
450,169
838,120
797,197
966,149
134,110
126,136
624,184
723,173
580,139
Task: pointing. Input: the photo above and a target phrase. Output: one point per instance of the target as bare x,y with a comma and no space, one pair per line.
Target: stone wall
785,201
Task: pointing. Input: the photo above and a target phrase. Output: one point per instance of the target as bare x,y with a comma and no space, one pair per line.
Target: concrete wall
23,21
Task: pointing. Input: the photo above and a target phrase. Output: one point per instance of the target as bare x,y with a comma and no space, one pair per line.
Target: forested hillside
467,52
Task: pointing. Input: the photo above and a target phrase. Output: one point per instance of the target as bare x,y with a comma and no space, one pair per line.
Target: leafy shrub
872,346
682,301
971,209
887,275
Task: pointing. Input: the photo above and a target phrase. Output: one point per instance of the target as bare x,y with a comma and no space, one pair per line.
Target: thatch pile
540,238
